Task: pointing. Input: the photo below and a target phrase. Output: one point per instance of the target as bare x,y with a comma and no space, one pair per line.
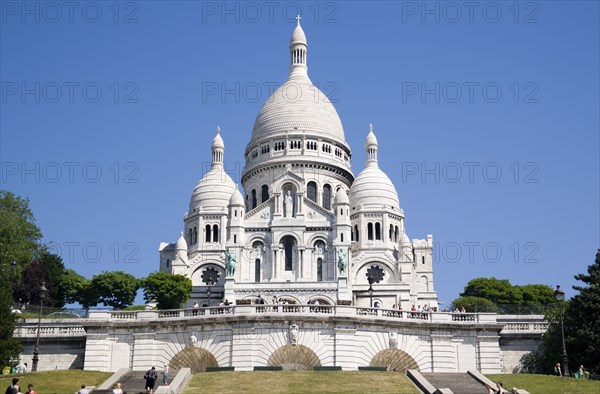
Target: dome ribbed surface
298,104
373,188
213,191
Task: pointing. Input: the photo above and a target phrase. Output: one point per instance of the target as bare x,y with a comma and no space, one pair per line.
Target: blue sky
487,116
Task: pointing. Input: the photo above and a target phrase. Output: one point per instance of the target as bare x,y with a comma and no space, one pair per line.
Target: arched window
253,198
195,235
319,270
207,233
396,234
191,237
234,238
341,237
327,197
391,232
356,233
264,193
351,235
288,248
370,231
378,231
311,191
257,270
168,262
216,233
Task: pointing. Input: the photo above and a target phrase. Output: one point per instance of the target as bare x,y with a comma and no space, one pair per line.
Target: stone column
489,353
143,351
443,353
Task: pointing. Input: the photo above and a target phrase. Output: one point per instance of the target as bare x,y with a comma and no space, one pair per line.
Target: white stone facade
301,207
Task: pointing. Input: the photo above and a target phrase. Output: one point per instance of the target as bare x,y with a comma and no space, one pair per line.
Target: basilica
302,228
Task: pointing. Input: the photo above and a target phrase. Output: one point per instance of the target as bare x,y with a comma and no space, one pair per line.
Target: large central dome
298,105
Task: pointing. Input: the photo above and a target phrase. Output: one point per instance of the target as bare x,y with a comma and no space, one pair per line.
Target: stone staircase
458,383
134,383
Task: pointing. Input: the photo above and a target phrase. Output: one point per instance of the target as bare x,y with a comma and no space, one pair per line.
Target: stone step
459,383
134,382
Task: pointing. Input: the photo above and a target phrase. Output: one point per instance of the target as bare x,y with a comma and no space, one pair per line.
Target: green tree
582,320
71,287
496,290
536,294
168,290
474,304
116,289
19,236
10,346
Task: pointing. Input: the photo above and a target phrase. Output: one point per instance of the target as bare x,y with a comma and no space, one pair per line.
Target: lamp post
560,297
13,270
374,275
36,350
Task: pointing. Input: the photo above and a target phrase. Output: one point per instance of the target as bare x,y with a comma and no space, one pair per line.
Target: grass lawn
301,382
548,384
56,382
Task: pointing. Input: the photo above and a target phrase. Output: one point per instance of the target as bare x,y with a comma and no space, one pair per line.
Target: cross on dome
218,129
298,17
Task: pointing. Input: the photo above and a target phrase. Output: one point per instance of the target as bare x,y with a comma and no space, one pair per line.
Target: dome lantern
218,149
371,147
298,47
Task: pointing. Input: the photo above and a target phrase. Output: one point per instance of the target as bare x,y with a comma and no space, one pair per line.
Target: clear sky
487,116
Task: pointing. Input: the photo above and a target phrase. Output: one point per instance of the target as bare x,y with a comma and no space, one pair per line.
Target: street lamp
36,350
210,277
560,297
374,275
13,270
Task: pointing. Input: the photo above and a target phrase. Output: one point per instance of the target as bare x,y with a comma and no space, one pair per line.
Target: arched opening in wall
394,360
396,231
370,231
423,284
254,202
207,233
196,359
191,237
195,235
311,191
288,244
215,237
294,358
327,196
319,270
264,193
320,301
391,235
356,233
257,270
378,231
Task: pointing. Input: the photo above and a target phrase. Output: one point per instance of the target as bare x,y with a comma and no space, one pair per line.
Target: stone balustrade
54,330
522,324
295,309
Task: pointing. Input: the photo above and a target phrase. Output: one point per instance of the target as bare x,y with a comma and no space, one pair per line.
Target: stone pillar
143,351
229,294
97,352
274,264
443,353
343,293
489,353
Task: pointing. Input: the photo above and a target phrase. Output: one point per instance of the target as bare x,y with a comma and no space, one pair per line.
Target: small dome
371,139
372,188
298,36
181,244
236,198
213,191
341,197
218,140
405,240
